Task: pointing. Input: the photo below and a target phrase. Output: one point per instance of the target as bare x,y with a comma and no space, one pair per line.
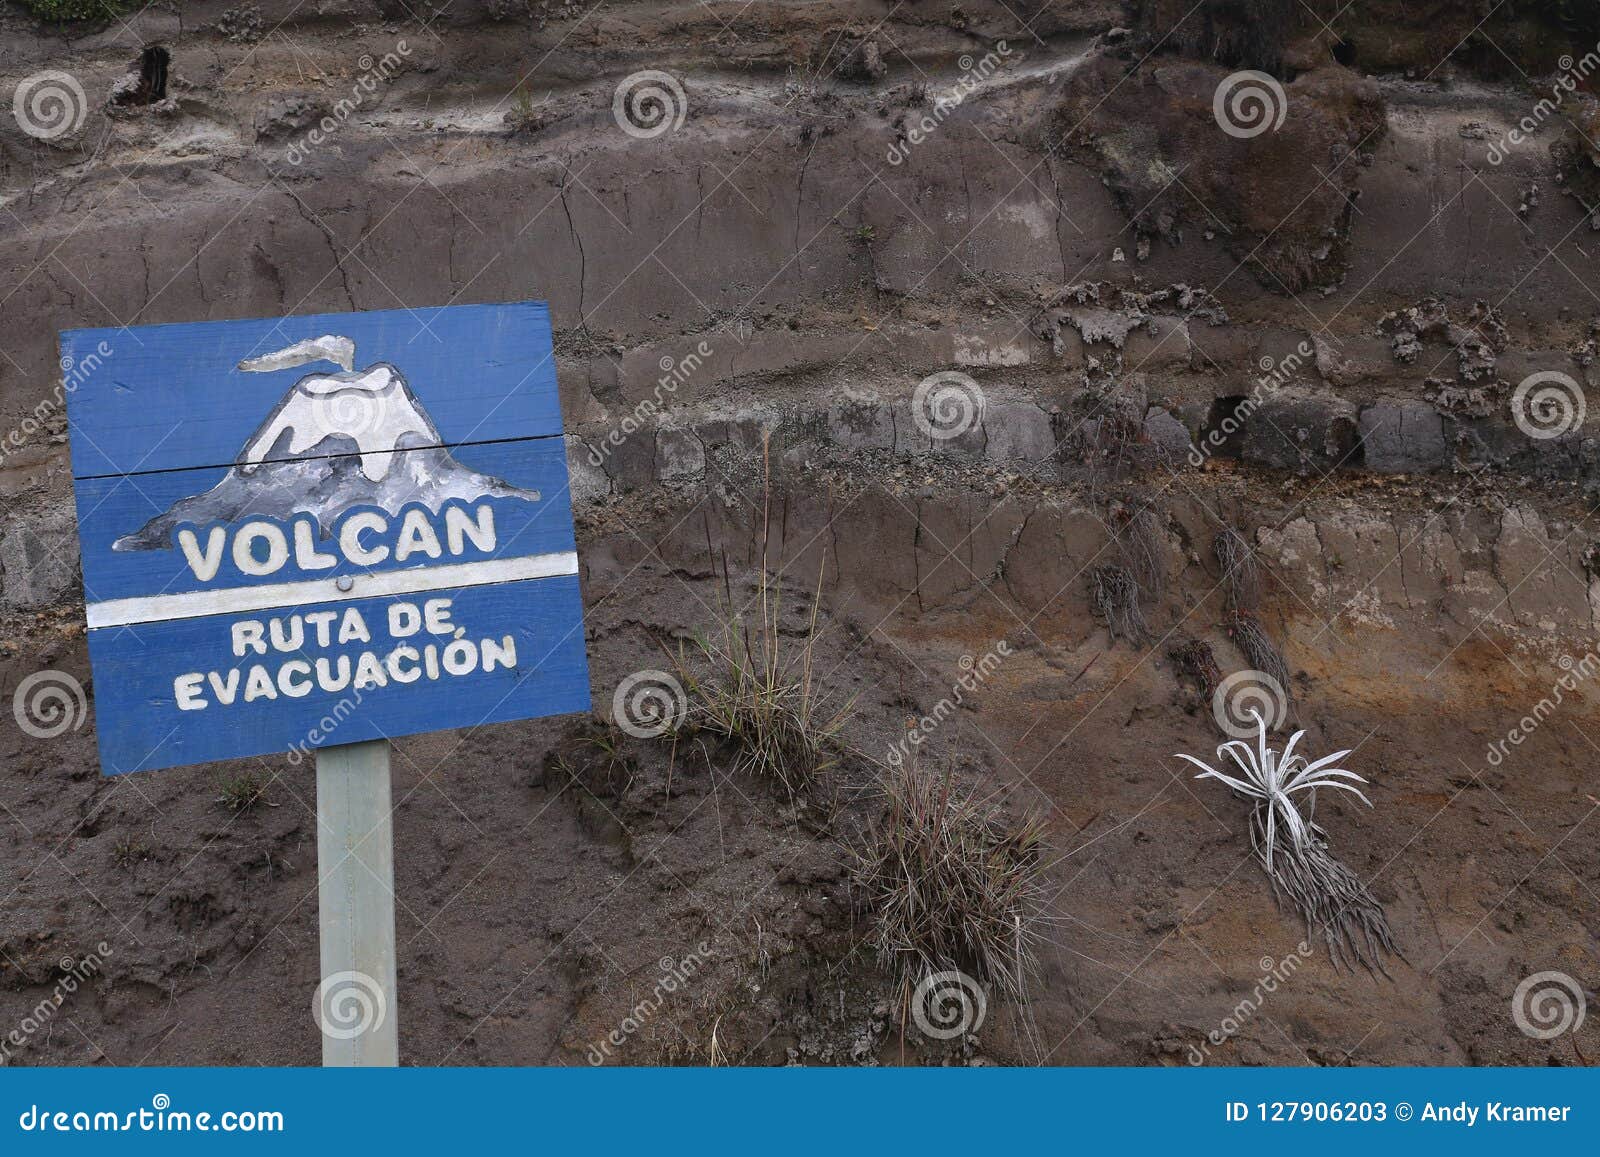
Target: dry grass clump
1241,576
596,756
1195,659
954,881
753,686
1141,540
1112,444
1252,639
752,682
1114,592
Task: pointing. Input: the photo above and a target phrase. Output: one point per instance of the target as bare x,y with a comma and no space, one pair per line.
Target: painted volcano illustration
335,441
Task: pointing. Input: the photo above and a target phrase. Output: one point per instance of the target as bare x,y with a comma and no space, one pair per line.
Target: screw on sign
320,533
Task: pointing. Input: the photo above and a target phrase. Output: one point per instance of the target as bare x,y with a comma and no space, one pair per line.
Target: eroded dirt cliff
1313,336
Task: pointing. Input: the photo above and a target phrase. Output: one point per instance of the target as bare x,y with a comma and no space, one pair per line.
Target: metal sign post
357,1003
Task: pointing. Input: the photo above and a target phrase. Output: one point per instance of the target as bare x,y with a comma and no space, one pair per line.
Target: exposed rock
1402,438
1017,431
1168,434
1283,198
1308,435
38,563
288,114
679,454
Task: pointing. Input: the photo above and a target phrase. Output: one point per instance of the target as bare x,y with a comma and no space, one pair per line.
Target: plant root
1330,898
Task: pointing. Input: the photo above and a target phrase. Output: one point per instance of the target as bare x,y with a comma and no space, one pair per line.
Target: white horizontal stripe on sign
240,600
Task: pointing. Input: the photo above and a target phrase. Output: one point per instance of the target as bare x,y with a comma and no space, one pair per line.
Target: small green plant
65,11
954,882
128,852
243,791
525,113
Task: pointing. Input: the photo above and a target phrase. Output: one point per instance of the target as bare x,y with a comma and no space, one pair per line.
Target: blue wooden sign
312,530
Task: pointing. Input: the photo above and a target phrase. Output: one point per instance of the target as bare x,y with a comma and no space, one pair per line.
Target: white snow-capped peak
373,407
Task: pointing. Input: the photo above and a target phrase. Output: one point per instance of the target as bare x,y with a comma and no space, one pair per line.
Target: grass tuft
1141,540
1194,659
752,682
954,881
243,791
753,686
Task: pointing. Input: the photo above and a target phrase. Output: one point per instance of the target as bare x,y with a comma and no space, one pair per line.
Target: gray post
356,1002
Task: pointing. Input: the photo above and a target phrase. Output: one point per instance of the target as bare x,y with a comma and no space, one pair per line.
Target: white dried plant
1274,779
1331,898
